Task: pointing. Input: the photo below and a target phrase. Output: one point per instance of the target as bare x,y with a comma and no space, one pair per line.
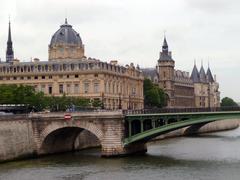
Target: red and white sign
67,116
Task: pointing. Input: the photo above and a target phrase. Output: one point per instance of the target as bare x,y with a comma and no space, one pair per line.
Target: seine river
213,156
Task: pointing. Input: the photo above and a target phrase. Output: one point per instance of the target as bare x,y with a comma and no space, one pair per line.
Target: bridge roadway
118,133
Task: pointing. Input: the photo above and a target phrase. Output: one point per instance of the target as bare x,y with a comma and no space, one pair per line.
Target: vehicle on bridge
14,109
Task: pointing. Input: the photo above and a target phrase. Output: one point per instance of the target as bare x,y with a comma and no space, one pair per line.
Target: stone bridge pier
54,134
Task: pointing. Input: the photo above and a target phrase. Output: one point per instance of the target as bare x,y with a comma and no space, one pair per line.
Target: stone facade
182,90
69,72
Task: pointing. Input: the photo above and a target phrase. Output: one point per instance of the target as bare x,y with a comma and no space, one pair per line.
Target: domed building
66,43
68,71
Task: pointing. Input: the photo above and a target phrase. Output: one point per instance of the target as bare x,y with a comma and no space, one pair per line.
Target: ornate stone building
68,71
182,90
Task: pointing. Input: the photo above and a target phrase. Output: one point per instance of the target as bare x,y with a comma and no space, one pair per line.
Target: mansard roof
195,75
150,73
209,75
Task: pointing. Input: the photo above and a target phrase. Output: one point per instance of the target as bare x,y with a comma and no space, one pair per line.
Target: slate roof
209,75
165,54
67,35
195,75
150,73
202,75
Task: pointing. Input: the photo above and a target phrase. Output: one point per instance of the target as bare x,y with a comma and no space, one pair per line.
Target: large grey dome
66,35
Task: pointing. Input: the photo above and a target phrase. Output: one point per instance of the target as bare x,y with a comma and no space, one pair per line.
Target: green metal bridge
143,127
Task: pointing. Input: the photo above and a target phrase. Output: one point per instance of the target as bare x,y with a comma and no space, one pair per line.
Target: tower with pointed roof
206,89
214,94
165,70
9,52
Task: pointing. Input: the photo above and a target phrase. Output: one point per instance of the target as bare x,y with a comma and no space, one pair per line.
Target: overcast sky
132,31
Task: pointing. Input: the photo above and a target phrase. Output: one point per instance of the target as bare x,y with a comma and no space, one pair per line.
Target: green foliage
13,94
97,103
153,95
228,102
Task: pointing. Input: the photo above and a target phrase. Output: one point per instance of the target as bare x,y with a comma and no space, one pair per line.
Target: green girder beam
194,118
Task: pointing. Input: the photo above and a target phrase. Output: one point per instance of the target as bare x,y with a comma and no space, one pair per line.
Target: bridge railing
179,110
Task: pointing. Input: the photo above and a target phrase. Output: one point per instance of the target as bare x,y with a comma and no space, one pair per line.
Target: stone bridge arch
60,136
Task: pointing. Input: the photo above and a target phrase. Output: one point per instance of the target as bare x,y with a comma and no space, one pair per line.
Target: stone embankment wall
16,138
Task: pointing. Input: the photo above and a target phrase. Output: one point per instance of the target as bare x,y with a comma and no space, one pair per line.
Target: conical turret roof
202,75
195,74
209,75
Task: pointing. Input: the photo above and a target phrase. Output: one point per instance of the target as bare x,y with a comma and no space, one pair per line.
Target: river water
214,156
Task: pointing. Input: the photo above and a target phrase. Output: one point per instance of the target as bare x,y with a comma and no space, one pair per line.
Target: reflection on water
213,156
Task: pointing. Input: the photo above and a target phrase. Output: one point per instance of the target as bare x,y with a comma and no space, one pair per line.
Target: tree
228,102
153,95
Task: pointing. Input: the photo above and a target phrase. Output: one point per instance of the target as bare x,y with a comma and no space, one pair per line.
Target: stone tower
166,72
9,52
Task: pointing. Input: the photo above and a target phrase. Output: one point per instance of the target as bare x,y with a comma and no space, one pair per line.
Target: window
29,77
14,78
76,75
113,89
105,87
133,91
35,77
50,77
76,88
95,75
49,89
117,90
36,87
42,88
86,87
21,77
109,87
96,87
68,88
43,77
60,88
67,76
